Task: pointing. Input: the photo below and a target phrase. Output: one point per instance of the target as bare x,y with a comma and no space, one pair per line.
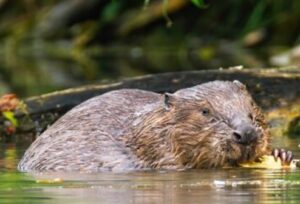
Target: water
198,186
47,67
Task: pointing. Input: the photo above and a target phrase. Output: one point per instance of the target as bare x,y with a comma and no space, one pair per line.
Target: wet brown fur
134,129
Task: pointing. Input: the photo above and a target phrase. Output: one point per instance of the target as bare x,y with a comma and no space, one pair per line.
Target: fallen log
275,90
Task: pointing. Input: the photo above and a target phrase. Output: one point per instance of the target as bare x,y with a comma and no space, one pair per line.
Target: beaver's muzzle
245,134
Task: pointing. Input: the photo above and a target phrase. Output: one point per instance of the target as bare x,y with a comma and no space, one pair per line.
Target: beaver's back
87,137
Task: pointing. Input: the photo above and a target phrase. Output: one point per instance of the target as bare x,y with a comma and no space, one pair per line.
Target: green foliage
199,3
257,17
11,117
146,3
294,128
166,16
111,11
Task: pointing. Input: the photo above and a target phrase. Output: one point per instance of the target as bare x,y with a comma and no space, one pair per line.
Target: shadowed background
49,45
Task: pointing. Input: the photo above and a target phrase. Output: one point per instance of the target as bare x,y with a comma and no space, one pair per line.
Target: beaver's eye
250,116
205,111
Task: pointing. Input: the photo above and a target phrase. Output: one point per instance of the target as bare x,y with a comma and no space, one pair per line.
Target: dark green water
199,186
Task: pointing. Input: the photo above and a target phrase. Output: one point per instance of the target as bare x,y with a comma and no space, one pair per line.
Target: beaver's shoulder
120,97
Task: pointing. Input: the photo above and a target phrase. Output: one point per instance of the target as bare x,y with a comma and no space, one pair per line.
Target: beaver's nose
244,134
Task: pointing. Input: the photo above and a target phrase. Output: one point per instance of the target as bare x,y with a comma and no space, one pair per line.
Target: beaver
210,125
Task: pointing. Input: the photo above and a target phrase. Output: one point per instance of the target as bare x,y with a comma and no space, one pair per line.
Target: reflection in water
42,70
10,158
242,185
46,67
198,186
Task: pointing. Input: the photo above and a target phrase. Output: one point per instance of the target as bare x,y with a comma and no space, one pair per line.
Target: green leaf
199,3
146,3
111,11
11,117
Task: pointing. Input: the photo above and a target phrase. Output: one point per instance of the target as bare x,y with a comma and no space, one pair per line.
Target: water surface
196,186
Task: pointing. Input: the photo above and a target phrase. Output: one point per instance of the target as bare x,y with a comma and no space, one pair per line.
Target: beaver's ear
240,84
169,100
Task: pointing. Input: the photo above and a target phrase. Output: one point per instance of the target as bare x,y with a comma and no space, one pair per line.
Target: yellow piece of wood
268,162
48,181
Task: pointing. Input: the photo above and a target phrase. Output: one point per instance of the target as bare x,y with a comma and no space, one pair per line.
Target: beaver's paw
285,156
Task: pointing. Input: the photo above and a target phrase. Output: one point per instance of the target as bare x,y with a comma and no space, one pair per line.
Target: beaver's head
218,125
211,125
